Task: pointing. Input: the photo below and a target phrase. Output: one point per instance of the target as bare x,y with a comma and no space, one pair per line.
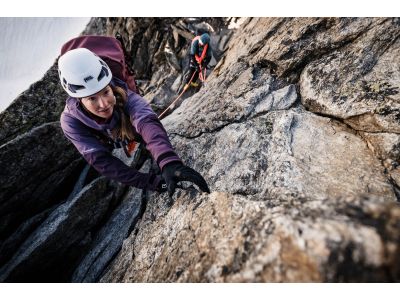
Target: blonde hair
126,129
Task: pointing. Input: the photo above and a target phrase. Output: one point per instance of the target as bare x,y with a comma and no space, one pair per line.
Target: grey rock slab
360,82
36,170
50,252
109,240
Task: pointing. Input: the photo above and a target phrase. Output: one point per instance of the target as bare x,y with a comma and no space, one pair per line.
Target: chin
105,115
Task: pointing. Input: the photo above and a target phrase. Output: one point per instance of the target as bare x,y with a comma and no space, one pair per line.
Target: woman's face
101,104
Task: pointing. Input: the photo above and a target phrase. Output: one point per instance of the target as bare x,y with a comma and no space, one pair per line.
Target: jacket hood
74,108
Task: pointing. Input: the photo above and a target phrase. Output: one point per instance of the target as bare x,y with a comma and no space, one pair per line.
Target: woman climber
102,113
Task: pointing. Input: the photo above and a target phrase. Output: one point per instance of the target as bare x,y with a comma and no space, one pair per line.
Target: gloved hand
194,65
162,186
175,172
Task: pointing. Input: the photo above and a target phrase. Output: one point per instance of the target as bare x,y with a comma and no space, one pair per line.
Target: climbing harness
106,137
200,59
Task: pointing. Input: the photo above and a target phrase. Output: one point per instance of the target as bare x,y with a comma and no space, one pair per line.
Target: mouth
105,110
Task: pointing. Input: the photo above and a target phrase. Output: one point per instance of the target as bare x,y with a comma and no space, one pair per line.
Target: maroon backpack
111,50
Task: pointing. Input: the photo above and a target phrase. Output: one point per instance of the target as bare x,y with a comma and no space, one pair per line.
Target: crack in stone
297,69
395,186
242,119
262,42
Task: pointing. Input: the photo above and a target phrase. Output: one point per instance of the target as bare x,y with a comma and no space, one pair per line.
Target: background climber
200,56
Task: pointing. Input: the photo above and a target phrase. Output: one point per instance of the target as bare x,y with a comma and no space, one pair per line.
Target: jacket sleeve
152,131
100,157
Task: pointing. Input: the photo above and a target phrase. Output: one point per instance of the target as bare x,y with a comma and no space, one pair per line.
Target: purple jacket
74,123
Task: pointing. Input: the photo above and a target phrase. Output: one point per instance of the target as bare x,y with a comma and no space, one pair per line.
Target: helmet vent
86,79
103,72
73,87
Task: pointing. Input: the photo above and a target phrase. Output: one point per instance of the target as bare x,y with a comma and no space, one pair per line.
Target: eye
92,99
106,92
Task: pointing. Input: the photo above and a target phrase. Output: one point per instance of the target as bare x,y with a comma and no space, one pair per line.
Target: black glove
175,172
194,65
162,186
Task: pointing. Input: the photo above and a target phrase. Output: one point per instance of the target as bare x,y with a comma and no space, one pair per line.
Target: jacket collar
74,107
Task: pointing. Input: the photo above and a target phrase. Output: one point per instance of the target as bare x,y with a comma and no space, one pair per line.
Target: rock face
359,84
158,51
297,196
359,81
34,259
37,170
296,133
230,238
43,176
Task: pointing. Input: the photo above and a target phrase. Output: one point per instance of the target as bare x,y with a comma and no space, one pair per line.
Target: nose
102,102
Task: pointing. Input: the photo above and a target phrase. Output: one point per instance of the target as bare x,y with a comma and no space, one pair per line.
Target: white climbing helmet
82,73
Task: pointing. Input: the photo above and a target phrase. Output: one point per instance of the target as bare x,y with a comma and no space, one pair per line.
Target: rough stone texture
298,197
158,51
108,240
287,45
37,169
49,254
303,188
359,82
9,246
43,102
229,238
243,92
281,153
386,146
317,157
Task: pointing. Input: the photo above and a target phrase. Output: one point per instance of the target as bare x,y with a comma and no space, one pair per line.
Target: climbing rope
179,96
202,76
203,80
